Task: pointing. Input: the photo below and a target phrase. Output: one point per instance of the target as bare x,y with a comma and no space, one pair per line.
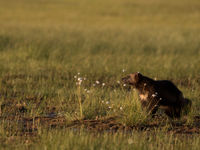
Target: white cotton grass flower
153,95
110,107
123,70
97,82
103,84
79,83
124,84
107,102
75,77
84,78
102,101
120,108
88,91
94,84
78,73
118,82
80,79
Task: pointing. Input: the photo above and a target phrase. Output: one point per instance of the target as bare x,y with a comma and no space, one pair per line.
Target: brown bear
161,94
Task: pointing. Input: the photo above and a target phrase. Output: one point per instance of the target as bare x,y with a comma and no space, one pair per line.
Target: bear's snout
125,79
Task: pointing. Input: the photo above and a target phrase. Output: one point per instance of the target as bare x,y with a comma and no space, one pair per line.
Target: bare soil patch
31,125
111,124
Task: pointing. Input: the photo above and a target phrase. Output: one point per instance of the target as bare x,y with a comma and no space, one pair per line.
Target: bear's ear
138,76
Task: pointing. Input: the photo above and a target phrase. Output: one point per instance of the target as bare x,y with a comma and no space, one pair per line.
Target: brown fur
161,94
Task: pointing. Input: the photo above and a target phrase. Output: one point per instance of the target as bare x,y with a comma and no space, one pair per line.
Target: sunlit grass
46,46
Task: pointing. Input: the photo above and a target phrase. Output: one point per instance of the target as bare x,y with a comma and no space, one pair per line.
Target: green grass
44,44
65,139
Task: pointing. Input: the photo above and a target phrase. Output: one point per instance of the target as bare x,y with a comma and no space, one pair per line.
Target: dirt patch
106,124
30,126
111,124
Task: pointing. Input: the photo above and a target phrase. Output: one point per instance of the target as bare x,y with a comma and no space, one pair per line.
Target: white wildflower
123,70
80,79
124,84
103,84
118,82
153,95
88,91
84,78
94,84
120,108
75,77
109,107
107,102
78,73
97,82
85,89
102,101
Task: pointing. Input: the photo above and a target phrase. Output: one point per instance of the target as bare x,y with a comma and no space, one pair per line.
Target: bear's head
132,79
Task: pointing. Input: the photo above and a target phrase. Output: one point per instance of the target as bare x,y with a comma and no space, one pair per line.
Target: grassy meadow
66,58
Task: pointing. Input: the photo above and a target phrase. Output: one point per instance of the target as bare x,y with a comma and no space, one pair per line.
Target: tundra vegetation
61,63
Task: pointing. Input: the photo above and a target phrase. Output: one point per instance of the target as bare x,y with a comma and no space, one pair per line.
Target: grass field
48,46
